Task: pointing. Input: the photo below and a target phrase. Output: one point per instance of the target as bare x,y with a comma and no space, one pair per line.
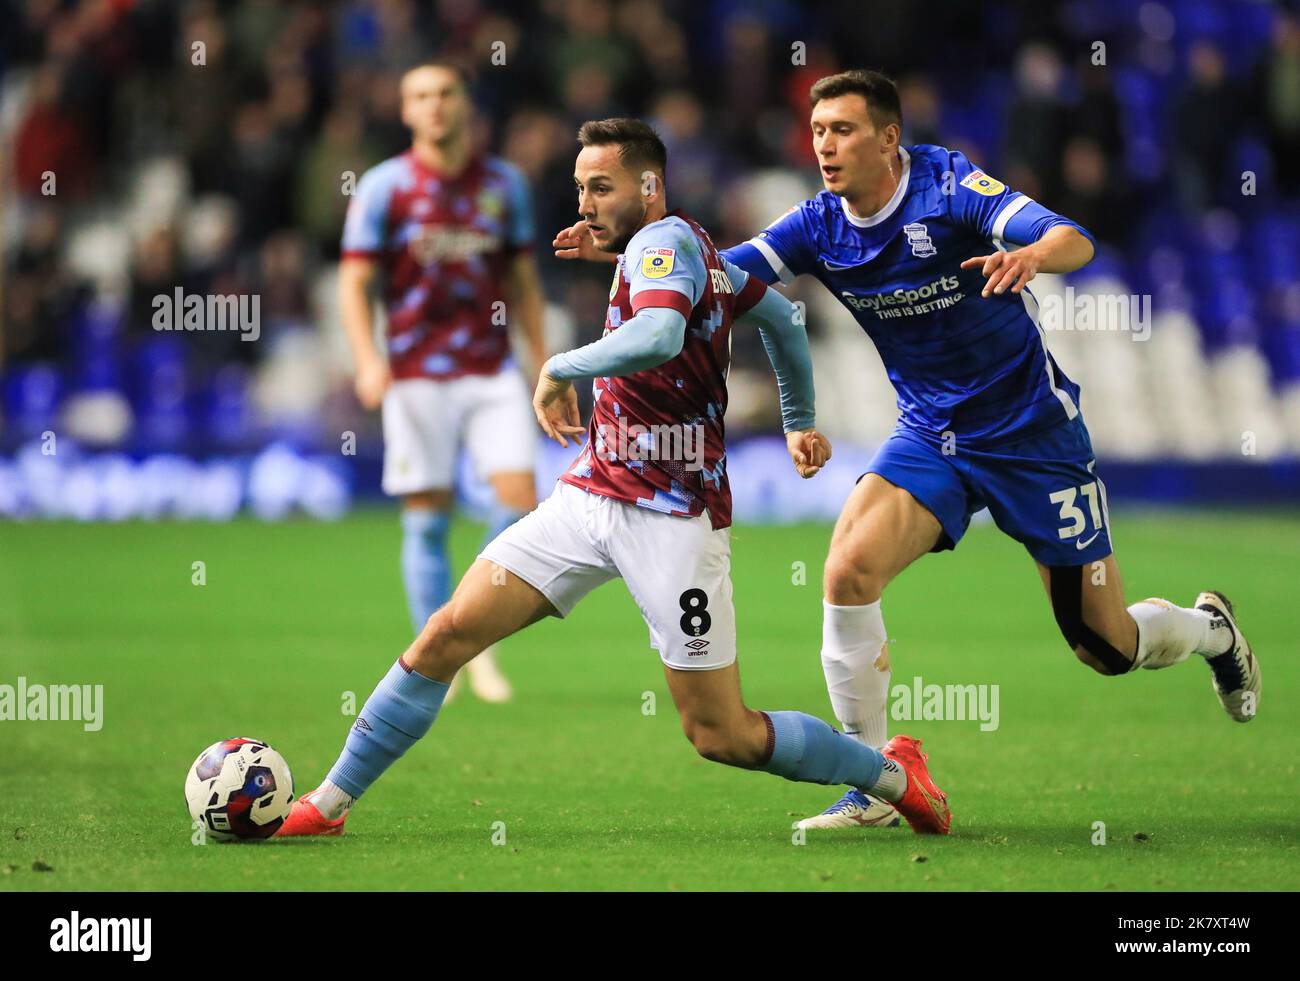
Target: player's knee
446,642
852,581
1098,654
1086,657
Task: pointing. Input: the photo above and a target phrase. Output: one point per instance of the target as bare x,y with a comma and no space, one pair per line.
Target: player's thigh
552,548
882,530
489,604
421,437
678,570
501,433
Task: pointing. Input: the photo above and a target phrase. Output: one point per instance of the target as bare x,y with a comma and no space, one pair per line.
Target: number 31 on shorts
1074,521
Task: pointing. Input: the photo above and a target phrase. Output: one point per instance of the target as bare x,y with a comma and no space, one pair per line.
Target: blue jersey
976,368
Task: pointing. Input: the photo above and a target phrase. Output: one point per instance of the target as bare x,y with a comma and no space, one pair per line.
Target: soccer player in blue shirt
914,242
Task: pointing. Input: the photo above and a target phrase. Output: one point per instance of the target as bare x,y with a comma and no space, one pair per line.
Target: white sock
857,669
331,800
1167,634
892,783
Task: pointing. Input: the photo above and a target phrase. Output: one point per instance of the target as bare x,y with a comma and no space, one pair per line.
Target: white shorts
426,422
677,569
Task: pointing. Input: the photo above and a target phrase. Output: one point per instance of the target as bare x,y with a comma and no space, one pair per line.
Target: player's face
853,154
435,105
610,198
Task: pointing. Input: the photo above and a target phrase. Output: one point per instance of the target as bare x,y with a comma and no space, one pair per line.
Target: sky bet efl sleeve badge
982,183
656,263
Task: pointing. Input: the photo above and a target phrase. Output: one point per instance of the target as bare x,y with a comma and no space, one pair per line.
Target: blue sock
806,748
398,712
499,519
426,572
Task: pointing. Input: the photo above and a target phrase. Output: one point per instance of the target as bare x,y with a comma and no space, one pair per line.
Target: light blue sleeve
653,336
665,267
780,327
366,223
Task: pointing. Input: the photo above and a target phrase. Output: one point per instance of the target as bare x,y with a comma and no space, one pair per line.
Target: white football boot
1236,673
854,810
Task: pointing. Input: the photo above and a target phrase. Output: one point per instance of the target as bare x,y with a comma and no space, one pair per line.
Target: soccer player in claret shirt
912,240
449,231
646,500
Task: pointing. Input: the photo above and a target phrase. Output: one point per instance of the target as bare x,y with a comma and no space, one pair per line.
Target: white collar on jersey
892,204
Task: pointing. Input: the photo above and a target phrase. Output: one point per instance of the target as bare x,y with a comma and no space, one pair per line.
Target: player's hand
373,379
556,405
1003,270
575,242
809,450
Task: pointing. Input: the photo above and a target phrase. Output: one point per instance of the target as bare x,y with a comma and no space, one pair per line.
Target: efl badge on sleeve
982,183
656,263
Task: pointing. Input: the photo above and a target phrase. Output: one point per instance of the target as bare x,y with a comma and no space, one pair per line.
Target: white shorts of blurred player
426,422
678,569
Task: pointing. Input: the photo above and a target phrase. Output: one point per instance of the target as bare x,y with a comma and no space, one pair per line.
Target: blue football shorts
1041,489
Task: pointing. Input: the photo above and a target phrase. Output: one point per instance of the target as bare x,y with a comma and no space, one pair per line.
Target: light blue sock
499,519
426,571
398,712
807,749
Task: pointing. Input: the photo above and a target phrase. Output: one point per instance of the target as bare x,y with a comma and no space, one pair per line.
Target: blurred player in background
647,500
912,240
449,230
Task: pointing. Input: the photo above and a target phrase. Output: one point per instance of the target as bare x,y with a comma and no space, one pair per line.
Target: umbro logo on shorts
697,647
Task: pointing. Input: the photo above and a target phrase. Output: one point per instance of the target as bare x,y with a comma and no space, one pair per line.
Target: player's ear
652,186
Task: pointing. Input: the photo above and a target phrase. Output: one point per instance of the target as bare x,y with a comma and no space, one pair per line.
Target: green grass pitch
591,791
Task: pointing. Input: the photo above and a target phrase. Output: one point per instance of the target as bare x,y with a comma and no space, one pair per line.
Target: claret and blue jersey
988,418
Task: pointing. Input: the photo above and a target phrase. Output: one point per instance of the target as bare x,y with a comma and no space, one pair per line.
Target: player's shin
857,672
803,748
426,571
397,714
1167,634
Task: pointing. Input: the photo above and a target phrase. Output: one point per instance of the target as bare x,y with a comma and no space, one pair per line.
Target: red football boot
924,805
305,819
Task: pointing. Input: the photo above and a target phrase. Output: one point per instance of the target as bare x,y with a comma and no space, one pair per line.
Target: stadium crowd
207,145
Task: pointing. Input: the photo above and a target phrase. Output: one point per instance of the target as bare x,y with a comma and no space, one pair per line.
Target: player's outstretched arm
653,336
1061,248
786,341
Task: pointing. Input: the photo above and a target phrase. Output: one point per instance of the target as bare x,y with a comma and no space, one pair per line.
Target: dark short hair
877,88
639,146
